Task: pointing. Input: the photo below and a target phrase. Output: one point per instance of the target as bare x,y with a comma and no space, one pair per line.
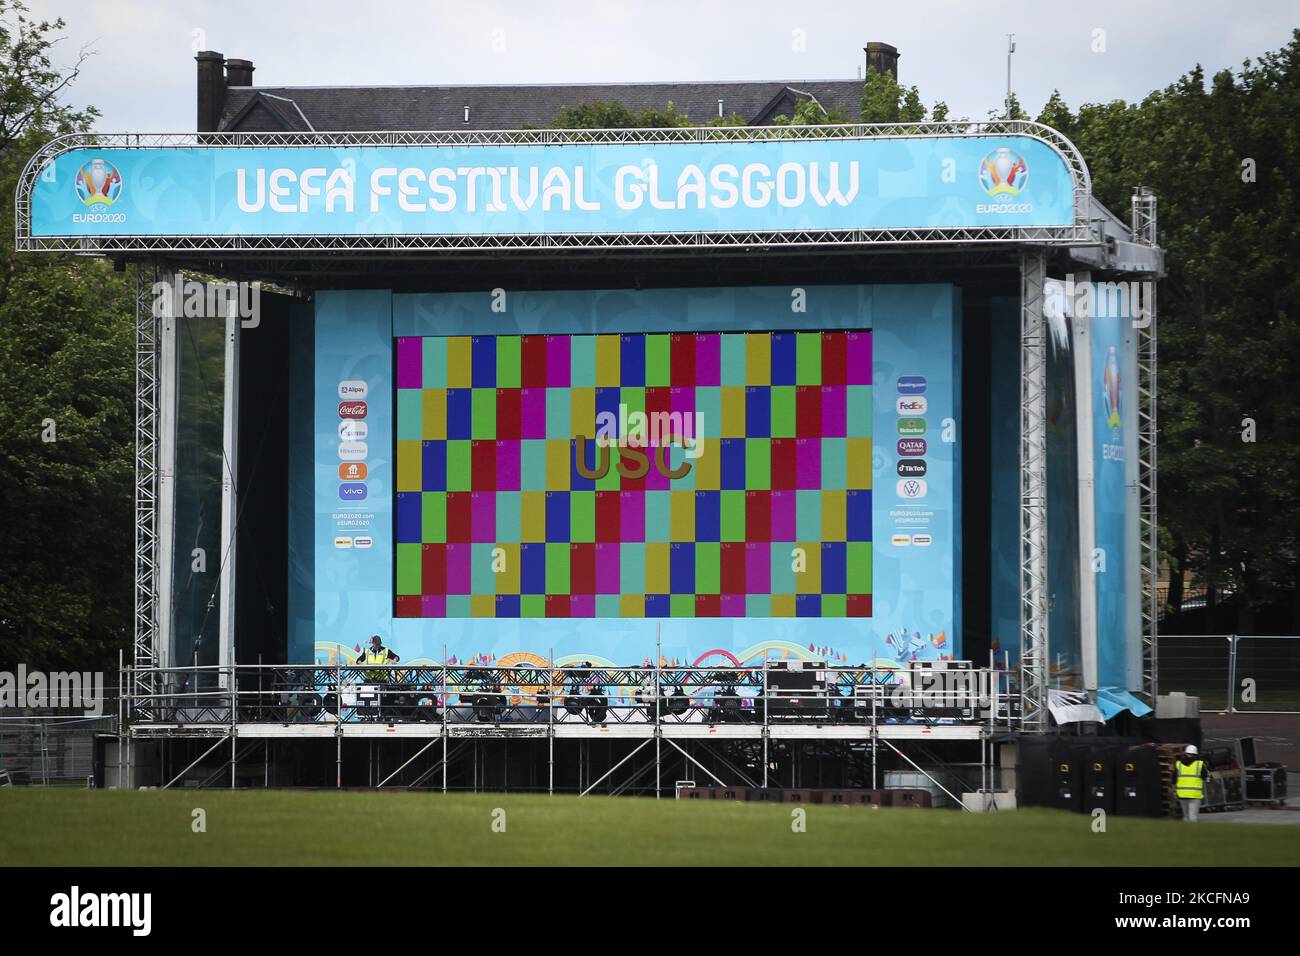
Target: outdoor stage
895,442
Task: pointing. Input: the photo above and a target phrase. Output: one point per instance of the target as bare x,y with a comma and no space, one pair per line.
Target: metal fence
50,751
1234,673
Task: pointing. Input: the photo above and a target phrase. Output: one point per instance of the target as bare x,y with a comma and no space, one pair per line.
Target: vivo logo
353,491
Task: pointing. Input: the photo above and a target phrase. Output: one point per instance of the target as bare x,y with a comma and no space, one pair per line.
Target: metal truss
750,239
1034,654
145,631
1144,232
1077,232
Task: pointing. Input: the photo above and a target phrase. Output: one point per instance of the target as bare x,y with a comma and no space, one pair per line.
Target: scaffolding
727,725
1144,233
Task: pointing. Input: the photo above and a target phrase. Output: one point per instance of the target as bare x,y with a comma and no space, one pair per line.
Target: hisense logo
76,909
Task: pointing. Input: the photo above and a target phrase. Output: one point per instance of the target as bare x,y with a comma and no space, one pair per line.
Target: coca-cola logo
911,447
352,409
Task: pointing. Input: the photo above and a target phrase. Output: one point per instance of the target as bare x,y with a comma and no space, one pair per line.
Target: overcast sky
141,76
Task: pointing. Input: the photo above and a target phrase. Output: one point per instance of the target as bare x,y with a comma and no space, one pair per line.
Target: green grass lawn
88,828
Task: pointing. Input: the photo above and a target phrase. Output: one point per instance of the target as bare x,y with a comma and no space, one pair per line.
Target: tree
1221,161
885,101
809,112
597,114
66,375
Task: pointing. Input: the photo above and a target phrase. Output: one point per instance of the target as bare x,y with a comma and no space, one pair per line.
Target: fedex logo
911,405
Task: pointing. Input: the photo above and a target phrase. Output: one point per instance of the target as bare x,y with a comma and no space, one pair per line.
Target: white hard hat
1191,749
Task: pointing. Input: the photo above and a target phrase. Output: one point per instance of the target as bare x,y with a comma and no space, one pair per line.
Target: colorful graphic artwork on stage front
634,475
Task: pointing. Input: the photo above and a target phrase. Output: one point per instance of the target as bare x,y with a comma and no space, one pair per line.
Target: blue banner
609,188
1114,429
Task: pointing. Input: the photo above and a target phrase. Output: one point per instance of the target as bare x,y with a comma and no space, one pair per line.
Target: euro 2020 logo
1004,172
98,183
1110,389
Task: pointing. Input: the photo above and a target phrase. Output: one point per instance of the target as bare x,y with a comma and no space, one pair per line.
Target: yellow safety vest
372,656
1188,784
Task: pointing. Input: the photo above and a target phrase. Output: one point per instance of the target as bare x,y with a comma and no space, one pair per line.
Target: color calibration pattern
632,476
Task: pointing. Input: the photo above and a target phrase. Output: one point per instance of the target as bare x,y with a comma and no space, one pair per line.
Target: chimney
882,58
211,89
239,73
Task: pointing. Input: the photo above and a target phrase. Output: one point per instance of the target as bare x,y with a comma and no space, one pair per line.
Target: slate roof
331,108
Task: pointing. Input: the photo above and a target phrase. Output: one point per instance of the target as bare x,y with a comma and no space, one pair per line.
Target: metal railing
47,750
1233,673
524,696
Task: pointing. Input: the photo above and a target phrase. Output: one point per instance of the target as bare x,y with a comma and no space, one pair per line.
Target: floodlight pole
1011,48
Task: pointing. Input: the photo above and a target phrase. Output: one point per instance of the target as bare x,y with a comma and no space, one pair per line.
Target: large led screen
697,474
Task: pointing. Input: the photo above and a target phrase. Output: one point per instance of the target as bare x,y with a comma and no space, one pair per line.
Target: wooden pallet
1168,754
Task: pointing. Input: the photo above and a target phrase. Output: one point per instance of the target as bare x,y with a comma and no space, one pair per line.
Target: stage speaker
1068,760
1138,785
1099,780
1035,771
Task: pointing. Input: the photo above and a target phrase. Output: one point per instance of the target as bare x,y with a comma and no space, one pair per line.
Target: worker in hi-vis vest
1190,774
376,653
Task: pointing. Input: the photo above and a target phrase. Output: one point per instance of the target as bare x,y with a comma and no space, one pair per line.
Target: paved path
1277,738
